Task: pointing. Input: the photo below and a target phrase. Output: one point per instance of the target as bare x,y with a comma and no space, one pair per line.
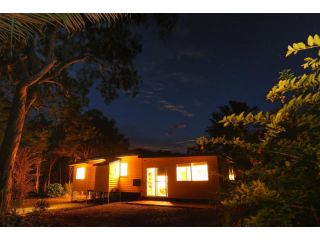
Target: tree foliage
281,189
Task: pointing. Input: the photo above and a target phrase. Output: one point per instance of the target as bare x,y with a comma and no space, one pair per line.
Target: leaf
316,40
301,45
310,41
295,46
290,48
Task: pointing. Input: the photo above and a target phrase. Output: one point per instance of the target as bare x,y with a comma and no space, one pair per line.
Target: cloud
165,105
173,129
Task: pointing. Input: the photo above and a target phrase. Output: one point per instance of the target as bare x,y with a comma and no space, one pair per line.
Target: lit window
232,175
124,169
81,173
114,170
192,172
199,171
183,172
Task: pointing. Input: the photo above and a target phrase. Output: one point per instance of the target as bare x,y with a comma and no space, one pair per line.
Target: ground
122,214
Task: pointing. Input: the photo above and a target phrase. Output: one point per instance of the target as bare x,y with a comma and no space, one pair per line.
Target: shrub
55,190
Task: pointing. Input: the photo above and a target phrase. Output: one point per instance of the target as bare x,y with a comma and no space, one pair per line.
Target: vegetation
48,67
281,189
55,190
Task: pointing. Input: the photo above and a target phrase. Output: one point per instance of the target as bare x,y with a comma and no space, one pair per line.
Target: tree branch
41,74
61,67
33,99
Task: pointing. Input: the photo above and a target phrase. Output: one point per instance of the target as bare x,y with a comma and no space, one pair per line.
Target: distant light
232,175
81,173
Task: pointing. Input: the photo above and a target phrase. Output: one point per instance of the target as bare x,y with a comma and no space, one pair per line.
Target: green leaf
310,41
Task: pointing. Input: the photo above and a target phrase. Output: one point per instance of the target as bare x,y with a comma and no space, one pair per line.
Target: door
157,182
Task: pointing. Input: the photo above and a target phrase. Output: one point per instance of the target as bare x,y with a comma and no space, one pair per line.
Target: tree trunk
38,174
10,144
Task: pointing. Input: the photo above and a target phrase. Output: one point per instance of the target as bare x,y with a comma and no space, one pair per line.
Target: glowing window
232,175
183,172
124,169
192,172
199,171
114,170
81,173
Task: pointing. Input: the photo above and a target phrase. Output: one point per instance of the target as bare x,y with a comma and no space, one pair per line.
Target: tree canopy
281,189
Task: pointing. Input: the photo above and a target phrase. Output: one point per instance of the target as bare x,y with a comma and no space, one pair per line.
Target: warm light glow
151,183
232,175
157,182
199,171
81,173
124,169
183,172
192,172
114,170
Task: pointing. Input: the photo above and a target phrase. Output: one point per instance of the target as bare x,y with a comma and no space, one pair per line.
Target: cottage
183,177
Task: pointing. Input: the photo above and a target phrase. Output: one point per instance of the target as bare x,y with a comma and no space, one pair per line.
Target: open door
157,182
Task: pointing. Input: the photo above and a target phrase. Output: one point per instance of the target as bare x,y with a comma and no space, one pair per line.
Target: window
124,169
199,171
81,173
192,172
184,172
232,175
114,170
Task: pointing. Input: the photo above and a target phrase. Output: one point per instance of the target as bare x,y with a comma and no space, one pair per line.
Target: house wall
188,189
134,172
84,184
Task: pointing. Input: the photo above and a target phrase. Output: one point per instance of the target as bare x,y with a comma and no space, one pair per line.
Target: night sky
207,60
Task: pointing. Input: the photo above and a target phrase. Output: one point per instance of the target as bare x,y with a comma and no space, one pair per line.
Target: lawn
127,215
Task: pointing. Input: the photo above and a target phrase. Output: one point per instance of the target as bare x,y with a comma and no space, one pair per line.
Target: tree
234,107
231,154
27,68
22,175
282,187
43,71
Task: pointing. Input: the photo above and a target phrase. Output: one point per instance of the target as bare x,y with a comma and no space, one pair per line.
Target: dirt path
123,214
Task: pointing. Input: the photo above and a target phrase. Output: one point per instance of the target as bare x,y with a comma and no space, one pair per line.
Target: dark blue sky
207,60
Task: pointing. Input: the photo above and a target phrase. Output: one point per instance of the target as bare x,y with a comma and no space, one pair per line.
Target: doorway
157,182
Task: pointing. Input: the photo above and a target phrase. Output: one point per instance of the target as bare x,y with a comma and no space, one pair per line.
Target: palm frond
20,27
